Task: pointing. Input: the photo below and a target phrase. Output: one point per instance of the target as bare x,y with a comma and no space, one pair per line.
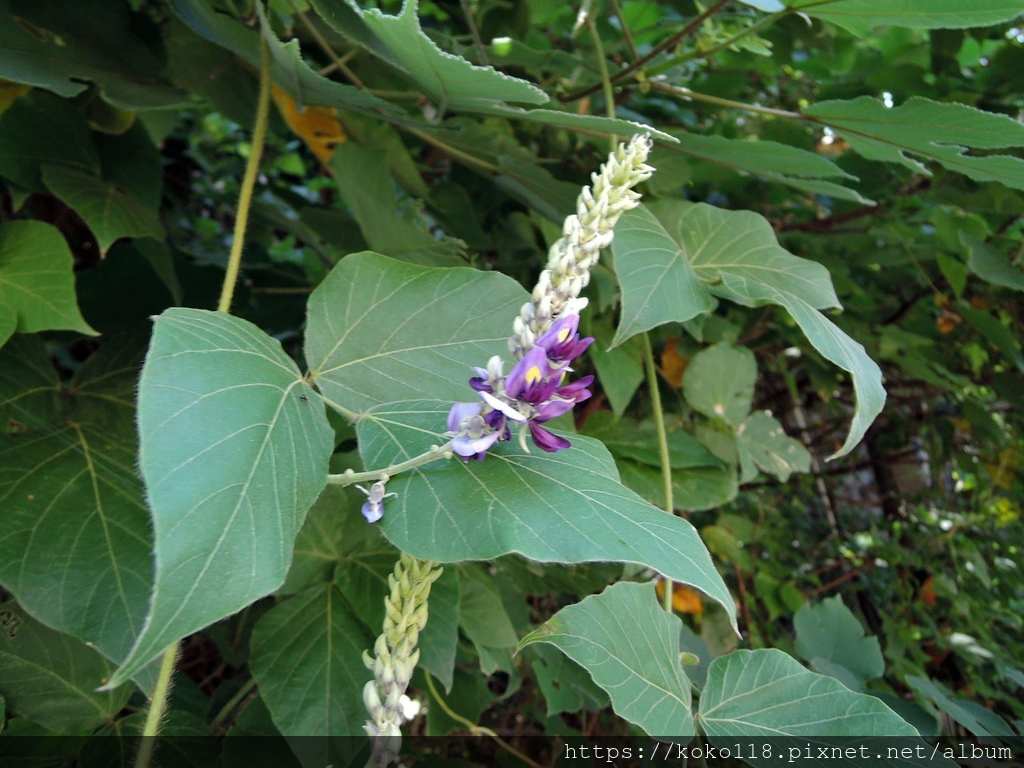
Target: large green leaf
365,185
736,255
110,213
76,544
62,47
829,631
567,507
36,278
631,648
766,693
51,677
943,132
307,659
658,284
970,714
379,330
449,81
233,448
859,16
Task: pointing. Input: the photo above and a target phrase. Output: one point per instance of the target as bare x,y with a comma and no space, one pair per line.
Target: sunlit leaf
859,16
761,440
830,631
720,382
439,323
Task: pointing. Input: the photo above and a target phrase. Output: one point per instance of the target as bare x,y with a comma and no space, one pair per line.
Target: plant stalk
157,707
252,167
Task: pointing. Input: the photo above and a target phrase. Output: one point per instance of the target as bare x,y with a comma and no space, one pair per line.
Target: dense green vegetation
807,350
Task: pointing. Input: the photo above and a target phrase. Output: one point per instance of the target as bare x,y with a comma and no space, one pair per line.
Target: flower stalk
395,655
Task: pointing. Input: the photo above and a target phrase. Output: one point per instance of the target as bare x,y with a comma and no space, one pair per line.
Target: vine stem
686,93
473,728
348,477
252,167
157,707
666,464
606,82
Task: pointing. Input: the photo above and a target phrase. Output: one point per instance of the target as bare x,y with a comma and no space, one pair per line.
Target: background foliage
812,156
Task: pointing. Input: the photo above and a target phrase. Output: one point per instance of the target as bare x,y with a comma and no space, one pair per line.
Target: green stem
349,477
252,168
473,728
233,702
606,82
666,463
686,93
157,707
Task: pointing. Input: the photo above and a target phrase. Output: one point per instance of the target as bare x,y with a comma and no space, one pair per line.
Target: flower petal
547,441
460,412
505,408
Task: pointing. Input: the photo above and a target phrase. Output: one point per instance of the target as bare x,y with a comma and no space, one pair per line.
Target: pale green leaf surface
51,678
860,16
657,281
75,544
737,255
823,188
307,660
942,132
449,81
233,448
564,684
761,440
630,646
110,213
719,382
365,185
36,278
622,128
829,630
766,693
991,265
567,507
439,323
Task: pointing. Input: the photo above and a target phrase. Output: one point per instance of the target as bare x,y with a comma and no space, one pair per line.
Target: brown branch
641,62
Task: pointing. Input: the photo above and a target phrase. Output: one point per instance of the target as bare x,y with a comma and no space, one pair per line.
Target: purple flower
474,435
545,440
562,343
533,380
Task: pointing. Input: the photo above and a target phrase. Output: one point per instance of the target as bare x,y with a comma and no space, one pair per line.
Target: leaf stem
473,728
348,477
157,707
252,168
686,93
666,463
337,61
233,703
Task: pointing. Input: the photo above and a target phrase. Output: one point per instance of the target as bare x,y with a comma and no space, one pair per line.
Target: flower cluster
545,338
534,392
395,654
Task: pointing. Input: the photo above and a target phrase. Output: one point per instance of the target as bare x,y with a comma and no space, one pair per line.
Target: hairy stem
606,83
348,477
157,707
686,93
252,168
